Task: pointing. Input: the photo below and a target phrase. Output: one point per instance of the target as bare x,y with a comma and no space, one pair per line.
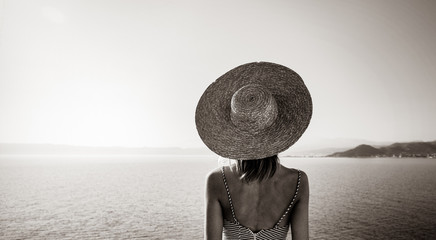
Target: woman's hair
258,169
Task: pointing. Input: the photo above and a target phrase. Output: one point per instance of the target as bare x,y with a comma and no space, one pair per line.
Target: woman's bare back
258,205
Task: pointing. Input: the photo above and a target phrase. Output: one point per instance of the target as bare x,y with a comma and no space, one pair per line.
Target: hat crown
253,108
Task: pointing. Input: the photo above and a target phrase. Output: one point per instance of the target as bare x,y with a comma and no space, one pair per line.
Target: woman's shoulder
214,181
214,175
297,178
292,171
292,174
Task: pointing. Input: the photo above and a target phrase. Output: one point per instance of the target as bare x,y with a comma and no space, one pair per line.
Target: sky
130,73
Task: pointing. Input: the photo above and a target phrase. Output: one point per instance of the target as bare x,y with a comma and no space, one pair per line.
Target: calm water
162,197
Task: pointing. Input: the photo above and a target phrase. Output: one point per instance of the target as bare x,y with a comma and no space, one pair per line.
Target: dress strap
229,197
293,200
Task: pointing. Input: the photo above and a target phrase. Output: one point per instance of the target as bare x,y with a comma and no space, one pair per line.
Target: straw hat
253,111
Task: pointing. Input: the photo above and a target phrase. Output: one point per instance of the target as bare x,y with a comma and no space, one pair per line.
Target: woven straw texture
253,111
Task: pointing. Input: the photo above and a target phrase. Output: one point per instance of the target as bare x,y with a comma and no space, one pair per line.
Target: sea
161,197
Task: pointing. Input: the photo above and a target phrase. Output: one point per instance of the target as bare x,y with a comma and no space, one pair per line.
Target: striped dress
235,230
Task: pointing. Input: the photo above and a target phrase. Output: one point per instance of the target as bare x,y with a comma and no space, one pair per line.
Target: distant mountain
24,149
326,146
408,149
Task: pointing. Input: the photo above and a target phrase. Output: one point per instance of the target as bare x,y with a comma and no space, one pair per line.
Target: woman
250,114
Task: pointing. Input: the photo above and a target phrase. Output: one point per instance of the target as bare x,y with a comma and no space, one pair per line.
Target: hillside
408,149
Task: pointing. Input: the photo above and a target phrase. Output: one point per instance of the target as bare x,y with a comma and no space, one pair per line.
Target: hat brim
294,105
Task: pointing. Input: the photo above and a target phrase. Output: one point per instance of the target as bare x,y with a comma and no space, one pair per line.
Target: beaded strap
292,202
229,197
